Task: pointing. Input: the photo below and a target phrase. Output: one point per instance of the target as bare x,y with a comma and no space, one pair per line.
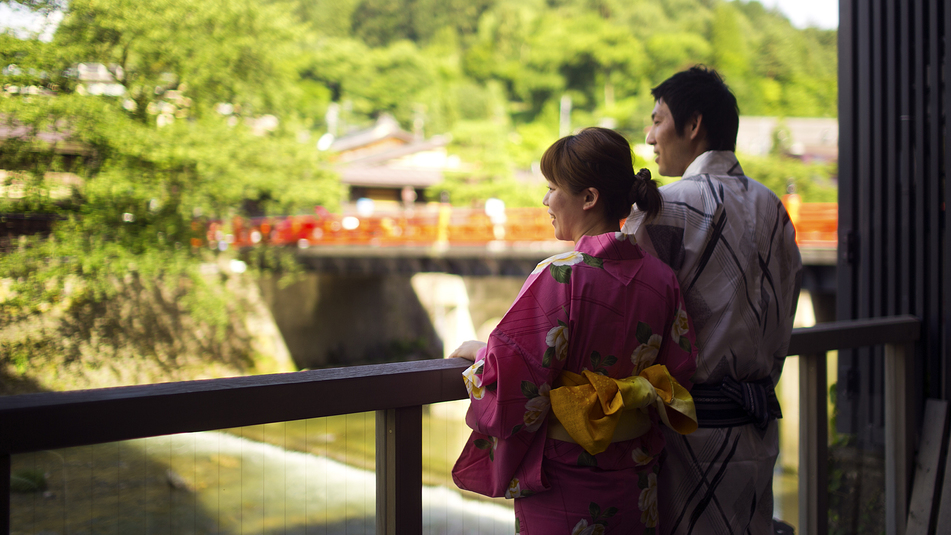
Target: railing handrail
50,420
33,422
397,391
851,334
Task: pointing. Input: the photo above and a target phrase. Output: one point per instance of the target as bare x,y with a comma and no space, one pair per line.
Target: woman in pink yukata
593,356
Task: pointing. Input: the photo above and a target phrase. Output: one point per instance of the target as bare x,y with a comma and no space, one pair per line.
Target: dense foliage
605,54
205,124
494,72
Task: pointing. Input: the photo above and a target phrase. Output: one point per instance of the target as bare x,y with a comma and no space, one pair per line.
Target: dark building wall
894,147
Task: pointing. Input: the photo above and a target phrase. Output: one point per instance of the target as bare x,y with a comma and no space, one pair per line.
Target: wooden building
390,165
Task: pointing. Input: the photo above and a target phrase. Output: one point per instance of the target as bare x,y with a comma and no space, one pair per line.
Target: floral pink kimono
607,308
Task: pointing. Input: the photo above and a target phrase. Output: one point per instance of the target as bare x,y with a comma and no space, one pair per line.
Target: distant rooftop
808,138
386,127
384,155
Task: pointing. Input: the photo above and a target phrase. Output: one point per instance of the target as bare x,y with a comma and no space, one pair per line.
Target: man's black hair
702,90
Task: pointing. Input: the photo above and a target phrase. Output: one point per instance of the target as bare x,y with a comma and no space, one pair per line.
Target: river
218,483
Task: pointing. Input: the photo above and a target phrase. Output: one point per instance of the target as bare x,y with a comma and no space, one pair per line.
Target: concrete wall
339,320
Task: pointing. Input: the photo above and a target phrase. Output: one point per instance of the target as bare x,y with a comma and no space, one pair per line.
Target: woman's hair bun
639,186
645,194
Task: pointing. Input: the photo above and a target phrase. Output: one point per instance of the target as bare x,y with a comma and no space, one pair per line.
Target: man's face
673,152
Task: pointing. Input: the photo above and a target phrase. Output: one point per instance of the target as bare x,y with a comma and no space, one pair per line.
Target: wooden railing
898,335
397,392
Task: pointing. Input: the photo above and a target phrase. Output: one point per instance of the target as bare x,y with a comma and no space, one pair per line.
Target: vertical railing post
813,446
899,434
5,493
399,471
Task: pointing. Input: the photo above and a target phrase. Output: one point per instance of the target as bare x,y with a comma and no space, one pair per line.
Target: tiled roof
385,127
378,176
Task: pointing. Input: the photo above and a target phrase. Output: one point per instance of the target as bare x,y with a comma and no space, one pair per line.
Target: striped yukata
731,243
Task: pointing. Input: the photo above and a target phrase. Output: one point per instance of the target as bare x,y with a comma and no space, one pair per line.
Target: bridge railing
398,392
423,226
816,226
816,223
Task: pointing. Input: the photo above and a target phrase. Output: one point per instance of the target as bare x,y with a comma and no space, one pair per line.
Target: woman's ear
590,198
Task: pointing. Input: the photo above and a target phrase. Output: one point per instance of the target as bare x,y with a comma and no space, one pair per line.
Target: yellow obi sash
596,410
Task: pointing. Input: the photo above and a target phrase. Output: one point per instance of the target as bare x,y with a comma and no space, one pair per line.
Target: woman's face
567,212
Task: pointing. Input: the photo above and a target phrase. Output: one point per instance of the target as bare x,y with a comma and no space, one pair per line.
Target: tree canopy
204,124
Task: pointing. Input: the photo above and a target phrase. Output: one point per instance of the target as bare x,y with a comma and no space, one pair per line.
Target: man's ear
695,126
590,198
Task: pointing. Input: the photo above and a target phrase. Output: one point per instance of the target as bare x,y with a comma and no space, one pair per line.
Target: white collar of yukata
608,246
714,162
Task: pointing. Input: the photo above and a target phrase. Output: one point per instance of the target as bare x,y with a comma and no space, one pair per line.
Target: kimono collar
610,246
715,162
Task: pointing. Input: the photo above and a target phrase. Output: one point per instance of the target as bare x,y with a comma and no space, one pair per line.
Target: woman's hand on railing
467,350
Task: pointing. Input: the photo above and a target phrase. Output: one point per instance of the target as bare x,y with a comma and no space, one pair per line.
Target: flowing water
218,483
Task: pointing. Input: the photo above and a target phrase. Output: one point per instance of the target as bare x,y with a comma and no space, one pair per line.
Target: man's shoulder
735,176
760,190
683,187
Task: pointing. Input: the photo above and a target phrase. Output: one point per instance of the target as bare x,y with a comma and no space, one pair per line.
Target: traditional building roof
386,156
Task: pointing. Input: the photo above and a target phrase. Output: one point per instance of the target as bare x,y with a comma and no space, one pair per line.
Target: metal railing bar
34,422
854,333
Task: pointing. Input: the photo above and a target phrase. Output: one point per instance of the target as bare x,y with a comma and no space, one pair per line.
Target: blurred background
180,181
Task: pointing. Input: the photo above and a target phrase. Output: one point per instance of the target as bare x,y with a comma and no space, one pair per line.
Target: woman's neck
599,226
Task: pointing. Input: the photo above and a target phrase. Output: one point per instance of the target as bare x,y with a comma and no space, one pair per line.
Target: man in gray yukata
733,247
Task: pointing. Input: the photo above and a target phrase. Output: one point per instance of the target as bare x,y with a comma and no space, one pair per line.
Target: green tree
813,182
327,18
145,190
729,40
216,51
384,22
672,52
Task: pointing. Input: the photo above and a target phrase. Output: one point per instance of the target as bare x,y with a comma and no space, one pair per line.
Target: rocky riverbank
144,333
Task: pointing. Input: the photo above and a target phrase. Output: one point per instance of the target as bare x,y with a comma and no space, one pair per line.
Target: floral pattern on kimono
606,307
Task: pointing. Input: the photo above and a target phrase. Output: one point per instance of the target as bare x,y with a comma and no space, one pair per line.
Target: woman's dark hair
702,90
601,158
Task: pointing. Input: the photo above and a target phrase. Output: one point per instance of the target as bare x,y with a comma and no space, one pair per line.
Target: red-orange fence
816,223
459,226
816,226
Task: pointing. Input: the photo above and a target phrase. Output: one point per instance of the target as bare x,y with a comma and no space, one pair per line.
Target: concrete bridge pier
348,319
330,320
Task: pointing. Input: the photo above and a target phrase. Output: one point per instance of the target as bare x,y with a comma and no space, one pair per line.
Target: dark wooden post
5,493
813,445
399,471
899,434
